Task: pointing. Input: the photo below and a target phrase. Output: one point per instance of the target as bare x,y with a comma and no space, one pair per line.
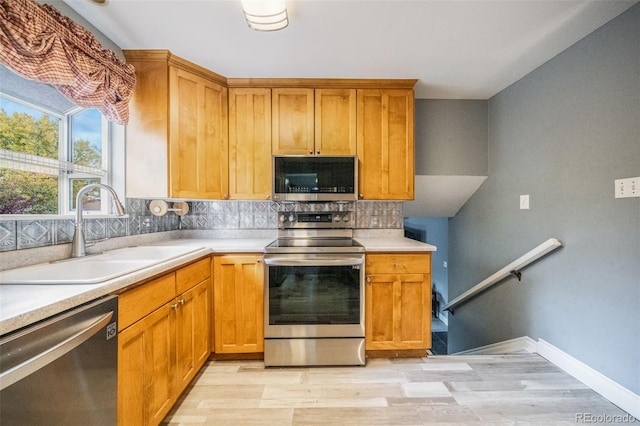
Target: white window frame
67,171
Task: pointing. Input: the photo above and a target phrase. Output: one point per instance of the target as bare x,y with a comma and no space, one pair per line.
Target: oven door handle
313,262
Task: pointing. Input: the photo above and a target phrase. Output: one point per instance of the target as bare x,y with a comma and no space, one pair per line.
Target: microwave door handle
313,262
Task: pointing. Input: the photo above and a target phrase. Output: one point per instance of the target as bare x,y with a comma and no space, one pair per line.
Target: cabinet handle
174,306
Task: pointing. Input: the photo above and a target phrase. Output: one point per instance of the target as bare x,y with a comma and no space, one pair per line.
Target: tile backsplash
203,215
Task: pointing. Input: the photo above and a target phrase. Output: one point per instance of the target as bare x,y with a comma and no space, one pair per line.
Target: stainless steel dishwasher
63,370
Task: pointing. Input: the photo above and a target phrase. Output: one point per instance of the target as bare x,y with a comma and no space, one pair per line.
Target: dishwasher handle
22,370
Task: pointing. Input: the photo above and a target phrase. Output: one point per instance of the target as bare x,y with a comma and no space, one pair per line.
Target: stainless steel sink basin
95,269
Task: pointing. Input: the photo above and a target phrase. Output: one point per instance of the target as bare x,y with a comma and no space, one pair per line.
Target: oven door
314,295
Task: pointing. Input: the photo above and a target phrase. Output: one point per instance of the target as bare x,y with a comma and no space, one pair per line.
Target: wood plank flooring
522,389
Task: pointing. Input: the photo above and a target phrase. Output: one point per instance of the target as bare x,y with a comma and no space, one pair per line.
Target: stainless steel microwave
315,178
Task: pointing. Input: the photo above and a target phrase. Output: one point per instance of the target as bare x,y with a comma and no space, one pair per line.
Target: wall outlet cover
524,202
627,188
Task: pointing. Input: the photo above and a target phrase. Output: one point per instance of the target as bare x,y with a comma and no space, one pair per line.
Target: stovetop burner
314,245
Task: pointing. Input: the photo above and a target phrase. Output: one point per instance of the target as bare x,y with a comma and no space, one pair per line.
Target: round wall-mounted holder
161,207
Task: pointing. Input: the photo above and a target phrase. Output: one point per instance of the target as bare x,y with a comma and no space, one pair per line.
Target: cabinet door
146,354
386,144
293,121
238,304
198,162
335,121
398,312
249,144
193,321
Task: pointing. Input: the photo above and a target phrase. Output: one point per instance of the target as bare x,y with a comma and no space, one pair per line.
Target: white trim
610,390
444,318
518,344
598,382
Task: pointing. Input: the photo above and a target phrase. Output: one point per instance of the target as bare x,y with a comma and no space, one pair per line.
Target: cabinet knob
258,260
181,301
174,306
368,279
318,152
310,152
226,196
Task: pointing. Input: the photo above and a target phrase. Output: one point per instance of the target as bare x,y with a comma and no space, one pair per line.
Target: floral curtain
39,43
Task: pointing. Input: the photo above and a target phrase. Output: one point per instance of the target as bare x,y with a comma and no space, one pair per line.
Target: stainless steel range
314,292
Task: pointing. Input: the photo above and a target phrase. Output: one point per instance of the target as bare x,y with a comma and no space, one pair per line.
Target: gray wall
562,134
451,137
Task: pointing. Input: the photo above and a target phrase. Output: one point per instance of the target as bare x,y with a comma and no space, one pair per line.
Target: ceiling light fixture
265,15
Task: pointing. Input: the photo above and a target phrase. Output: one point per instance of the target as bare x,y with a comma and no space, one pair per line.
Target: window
47,155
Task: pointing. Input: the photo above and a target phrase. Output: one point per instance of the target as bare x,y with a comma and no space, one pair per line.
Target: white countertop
394,244
22,305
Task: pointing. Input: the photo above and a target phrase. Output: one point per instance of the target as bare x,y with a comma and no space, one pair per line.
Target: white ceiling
456,49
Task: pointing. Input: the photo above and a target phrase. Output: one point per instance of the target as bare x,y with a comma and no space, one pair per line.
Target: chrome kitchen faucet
78,245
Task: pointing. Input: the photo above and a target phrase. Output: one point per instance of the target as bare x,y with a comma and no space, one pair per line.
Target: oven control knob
345,218
283,218
336,218
292,218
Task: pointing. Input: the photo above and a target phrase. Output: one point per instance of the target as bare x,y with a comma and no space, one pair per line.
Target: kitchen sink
97,268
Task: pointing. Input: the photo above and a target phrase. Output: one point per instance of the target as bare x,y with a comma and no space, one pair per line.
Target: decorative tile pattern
35,233
8,235
203,215
64,231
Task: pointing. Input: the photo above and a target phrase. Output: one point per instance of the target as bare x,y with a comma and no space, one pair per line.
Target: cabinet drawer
398,263
135,304
193,274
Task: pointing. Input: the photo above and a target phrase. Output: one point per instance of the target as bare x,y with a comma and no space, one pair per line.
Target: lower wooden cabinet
238,282
398,302
162,347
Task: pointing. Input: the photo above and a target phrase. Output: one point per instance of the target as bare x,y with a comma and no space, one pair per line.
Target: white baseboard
610,390
518,344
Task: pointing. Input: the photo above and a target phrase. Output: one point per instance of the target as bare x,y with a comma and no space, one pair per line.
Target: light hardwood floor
522,389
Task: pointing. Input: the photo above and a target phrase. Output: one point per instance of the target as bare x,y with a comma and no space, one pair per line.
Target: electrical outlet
524,202
444,263
627,188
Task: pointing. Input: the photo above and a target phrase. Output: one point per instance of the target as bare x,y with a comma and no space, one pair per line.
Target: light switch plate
627,188
524,202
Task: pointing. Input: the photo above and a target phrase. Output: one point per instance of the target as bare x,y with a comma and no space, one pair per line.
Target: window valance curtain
39,43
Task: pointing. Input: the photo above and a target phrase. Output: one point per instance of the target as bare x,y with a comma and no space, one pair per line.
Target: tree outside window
46,157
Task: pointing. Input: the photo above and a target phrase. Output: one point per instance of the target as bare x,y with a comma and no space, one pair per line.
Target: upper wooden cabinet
177,138
249,143
385,144
198,160
335,121
314,121
293,121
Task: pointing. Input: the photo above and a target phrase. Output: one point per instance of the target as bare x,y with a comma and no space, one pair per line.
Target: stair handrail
513,268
